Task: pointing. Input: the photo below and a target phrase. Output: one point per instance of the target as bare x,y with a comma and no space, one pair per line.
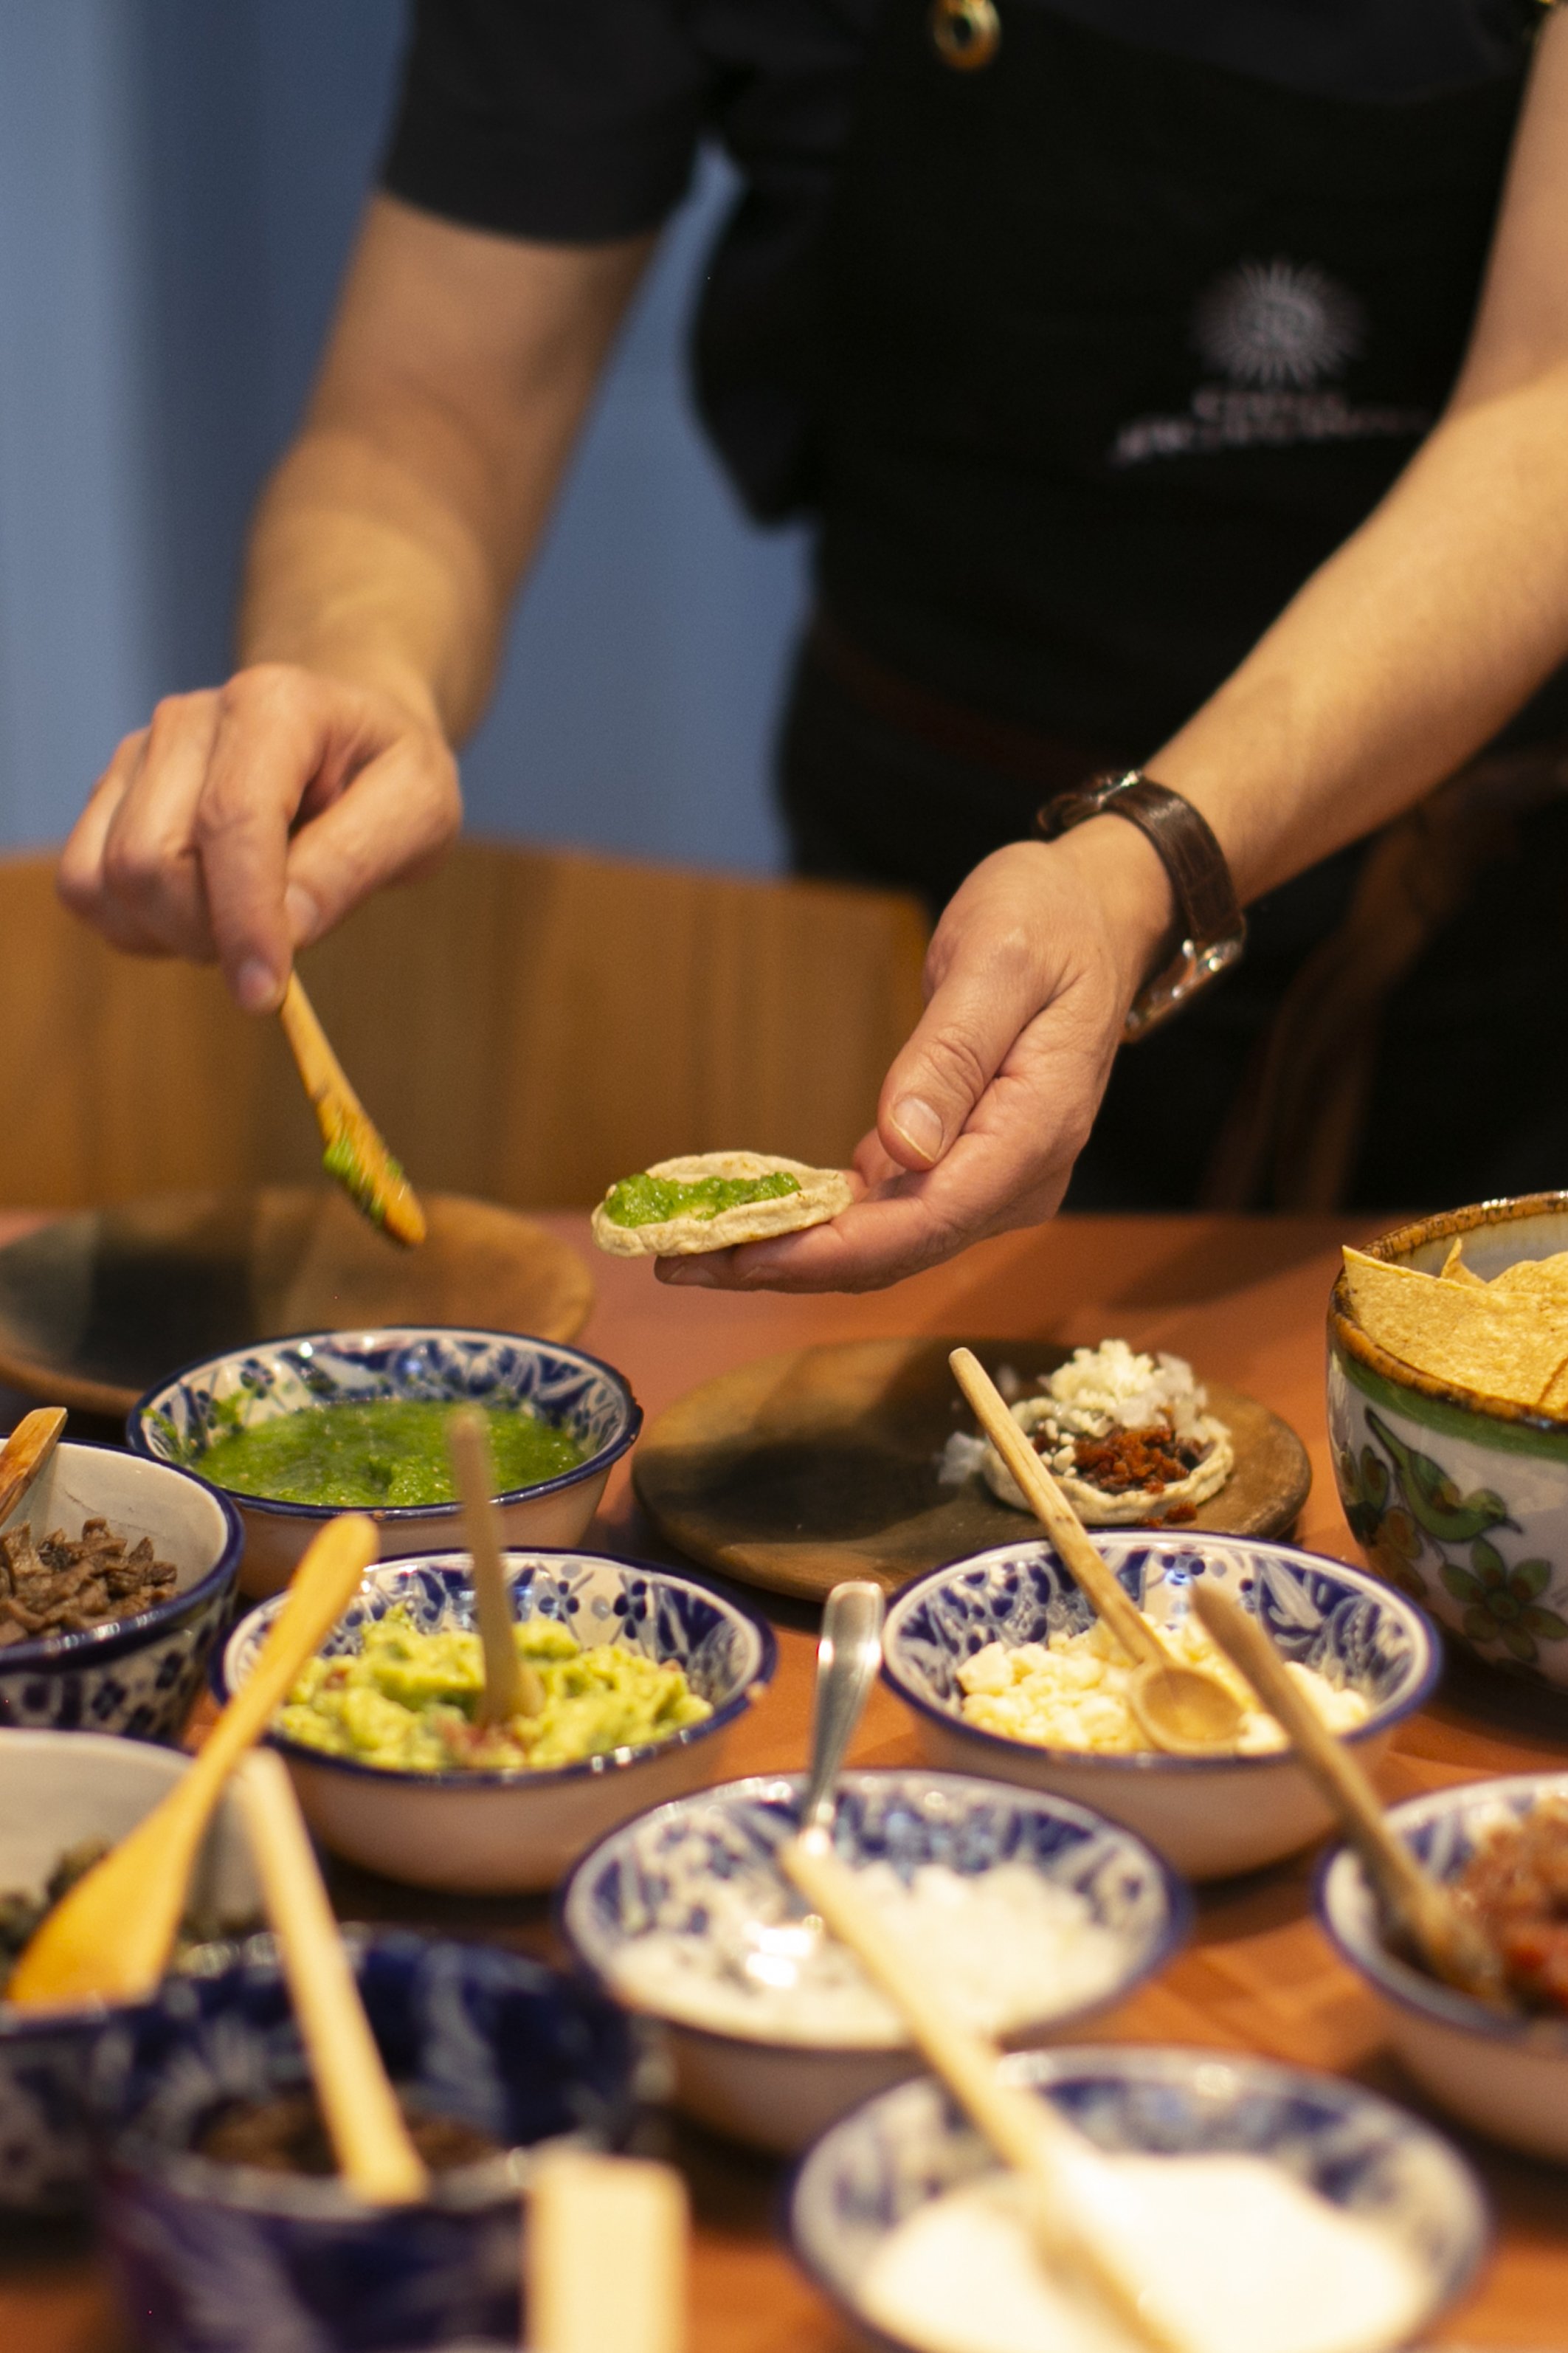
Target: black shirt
577,121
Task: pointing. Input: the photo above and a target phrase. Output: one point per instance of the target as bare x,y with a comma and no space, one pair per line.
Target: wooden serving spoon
1454,1947
606,2255
512,1687
1181,1709
110,1939
355,1154
1071,2200
26,1452
375,2156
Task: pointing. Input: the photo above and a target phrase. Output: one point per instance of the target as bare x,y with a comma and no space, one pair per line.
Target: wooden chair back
526,1026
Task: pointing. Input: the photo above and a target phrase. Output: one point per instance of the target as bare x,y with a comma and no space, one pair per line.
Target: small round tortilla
823,1193
1094,1507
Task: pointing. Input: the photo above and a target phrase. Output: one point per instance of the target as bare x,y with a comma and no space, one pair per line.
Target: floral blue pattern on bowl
1318,1613
723,1648
218,2259
139,1675
175,1422
876,2168
653,1874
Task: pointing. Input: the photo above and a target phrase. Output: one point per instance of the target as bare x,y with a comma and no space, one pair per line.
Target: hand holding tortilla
711,1200
1508,1338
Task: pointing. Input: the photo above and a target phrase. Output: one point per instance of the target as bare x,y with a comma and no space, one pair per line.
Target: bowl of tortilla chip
1448,1419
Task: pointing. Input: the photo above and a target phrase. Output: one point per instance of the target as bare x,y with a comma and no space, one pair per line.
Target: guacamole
386,1452
407,1701
650,1200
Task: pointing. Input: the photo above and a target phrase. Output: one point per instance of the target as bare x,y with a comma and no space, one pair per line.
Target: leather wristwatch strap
1212,928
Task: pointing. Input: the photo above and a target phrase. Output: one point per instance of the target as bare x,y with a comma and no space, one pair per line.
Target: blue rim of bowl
545,1777
94,1646
1180,1907
1405,1985
1176,2060
1382,1719
391,1513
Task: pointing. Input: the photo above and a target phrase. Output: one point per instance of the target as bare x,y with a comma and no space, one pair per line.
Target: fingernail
256,985
685,1273
304,915
918,1125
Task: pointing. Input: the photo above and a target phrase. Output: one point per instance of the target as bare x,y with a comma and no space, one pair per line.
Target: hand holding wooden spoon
1181,1708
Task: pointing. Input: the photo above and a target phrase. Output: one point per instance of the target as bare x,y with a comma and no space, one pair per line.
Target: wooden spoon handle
1026,2133
1453,1945
606,2255
1053,1511
26,1452
318,1067
511,1687
375,2153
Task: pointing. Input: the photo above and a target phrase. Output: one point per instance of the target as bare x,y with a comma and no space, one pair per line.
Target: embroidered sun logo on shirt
1274,323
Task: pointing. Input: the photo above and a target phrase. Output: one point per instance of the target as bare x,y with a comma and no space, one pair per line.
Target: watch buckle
1186,973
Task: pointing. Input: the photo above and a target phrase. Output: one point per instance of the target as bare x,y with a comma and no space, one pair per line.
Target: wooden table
1244,1300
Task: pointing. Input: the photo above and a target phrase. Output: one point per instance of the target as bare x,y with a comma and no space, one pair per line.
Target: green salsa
649,1200
386,1453
408,1701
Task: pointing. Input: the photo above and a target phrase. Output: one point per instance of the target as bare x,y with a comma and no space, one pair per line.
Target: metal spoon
774,1952
1182,1709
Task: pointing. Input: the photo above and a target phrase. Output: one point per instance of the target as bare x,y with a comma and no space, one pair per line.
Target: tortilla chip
1454,1269
1535,1278
1509,1347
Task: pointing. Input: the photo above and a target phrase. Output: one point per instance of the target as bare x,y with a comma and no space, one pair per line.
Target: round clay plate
808,1468
96,1307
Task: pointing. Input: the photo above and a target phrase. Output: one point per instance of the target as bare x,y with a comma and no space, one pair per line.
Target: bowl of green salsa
293,1431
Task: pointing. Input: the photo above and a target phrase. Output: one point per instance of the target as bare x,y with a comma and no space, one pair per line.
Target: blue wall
178,183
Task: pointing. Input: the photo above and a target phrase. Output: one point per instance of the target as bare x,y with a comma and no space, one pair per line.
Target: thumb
960,1043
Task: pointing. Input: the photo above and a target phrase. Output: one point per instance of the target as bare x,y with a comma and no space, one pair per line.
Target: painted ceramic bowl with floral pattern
504,1833
1209,1816
881,2165
56,1789
1458,1499
217,2258
445,1364
1507,2074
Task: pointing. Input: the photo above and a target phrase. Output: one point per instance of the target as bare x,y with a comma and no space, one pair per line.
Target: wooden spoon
354,1152
26,1452
1454,1947
1181,1709
606,2255
375,2156
1072,2198
110,1939
512,1687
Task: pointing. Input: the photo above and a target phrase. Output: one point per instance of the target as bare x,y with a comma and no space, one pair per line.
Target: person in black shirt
1178,385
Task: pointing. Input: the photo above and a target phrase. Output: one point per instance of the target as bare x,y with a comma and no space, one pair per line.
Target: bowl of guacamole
643,1672
296,1429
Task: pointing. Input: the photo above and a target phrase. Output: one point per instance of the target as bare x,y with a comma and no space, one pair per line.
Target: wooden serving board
95,1308
821,1465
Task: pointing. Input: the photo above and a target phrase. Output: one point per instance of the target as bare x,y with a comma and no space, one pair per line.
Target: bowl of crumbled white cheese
1010,1673
1261,2210
1035,1912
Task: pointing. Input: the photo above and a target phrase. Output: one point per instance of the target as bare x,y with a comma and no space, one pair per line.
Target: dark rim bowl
1399,1981
394,1514
97,1645
549,1776
1383,1719
1451,1225
1171,1937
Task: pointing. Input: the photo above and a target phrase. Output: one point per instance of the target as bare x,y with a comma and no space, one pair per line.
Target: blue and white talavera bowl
1209,1816
881,2164
507,1833
1456,1498
658,1874
1508,2076
57,1788
177,1419
137,1675
210,2258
